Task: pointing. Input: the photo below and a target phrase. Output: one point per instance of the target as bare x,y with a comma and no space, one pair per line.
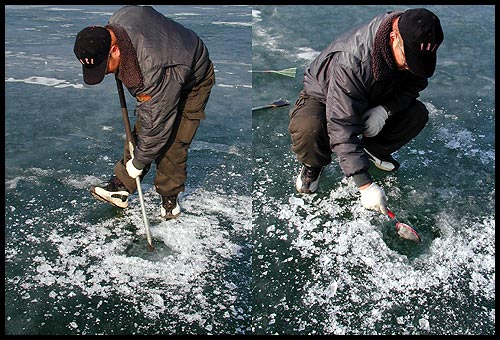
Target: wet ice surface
314,264
75,265
102,262
335,268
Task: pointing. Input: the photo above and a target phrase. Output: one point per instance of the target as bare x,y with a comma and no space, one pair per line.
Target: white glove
373,197
374,120
132,170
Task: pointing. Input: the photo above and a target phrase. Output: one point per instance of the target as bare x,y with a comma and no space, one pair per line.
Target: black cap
422,34
92,46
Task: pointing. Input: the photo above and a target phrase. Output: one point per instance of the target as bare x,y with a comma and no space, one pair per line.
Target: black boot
308,179
170,207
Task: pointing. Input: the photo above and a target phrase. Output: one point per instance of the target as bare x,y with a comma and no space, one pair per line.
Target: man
360,100
166,67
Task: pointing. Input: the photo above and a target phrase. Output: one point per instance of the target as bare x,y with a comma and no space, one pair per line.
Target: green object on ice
289,72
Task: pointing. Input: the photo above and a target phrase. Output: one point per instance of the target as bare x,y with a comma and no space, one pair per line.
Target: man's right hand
132,170
373,197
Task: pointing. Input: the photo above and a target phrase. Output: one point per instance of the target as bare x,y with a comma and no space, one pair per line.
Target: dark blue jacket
350,78
169,59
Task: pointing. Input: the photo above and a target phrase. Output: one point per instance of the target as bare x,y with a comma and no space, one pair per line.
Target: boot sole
380,164
171,217
103,199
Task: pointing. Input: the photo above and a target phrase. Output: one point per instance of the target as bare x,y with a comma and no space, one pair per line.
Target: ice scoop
404,230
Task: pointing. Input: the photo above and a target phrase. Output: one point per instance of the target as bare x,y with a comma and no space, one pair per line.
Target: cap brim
94,75
423,65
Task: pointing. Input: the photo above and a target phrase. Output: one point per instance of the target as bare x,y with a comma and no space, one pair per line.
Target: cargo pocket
196,100
299,103
194,115
194,106
187,130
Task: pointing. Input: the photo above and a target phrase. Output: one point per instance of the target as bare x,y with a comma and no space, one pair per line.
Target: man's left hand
374,120
132,170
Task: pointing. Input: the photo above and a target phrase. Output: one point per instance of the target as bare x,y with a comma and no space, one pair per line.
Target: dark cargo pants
171,165
311,144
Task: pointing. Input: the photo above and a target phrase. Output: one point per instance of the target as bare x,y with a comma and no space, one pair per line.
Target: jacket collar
383,64
129,71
